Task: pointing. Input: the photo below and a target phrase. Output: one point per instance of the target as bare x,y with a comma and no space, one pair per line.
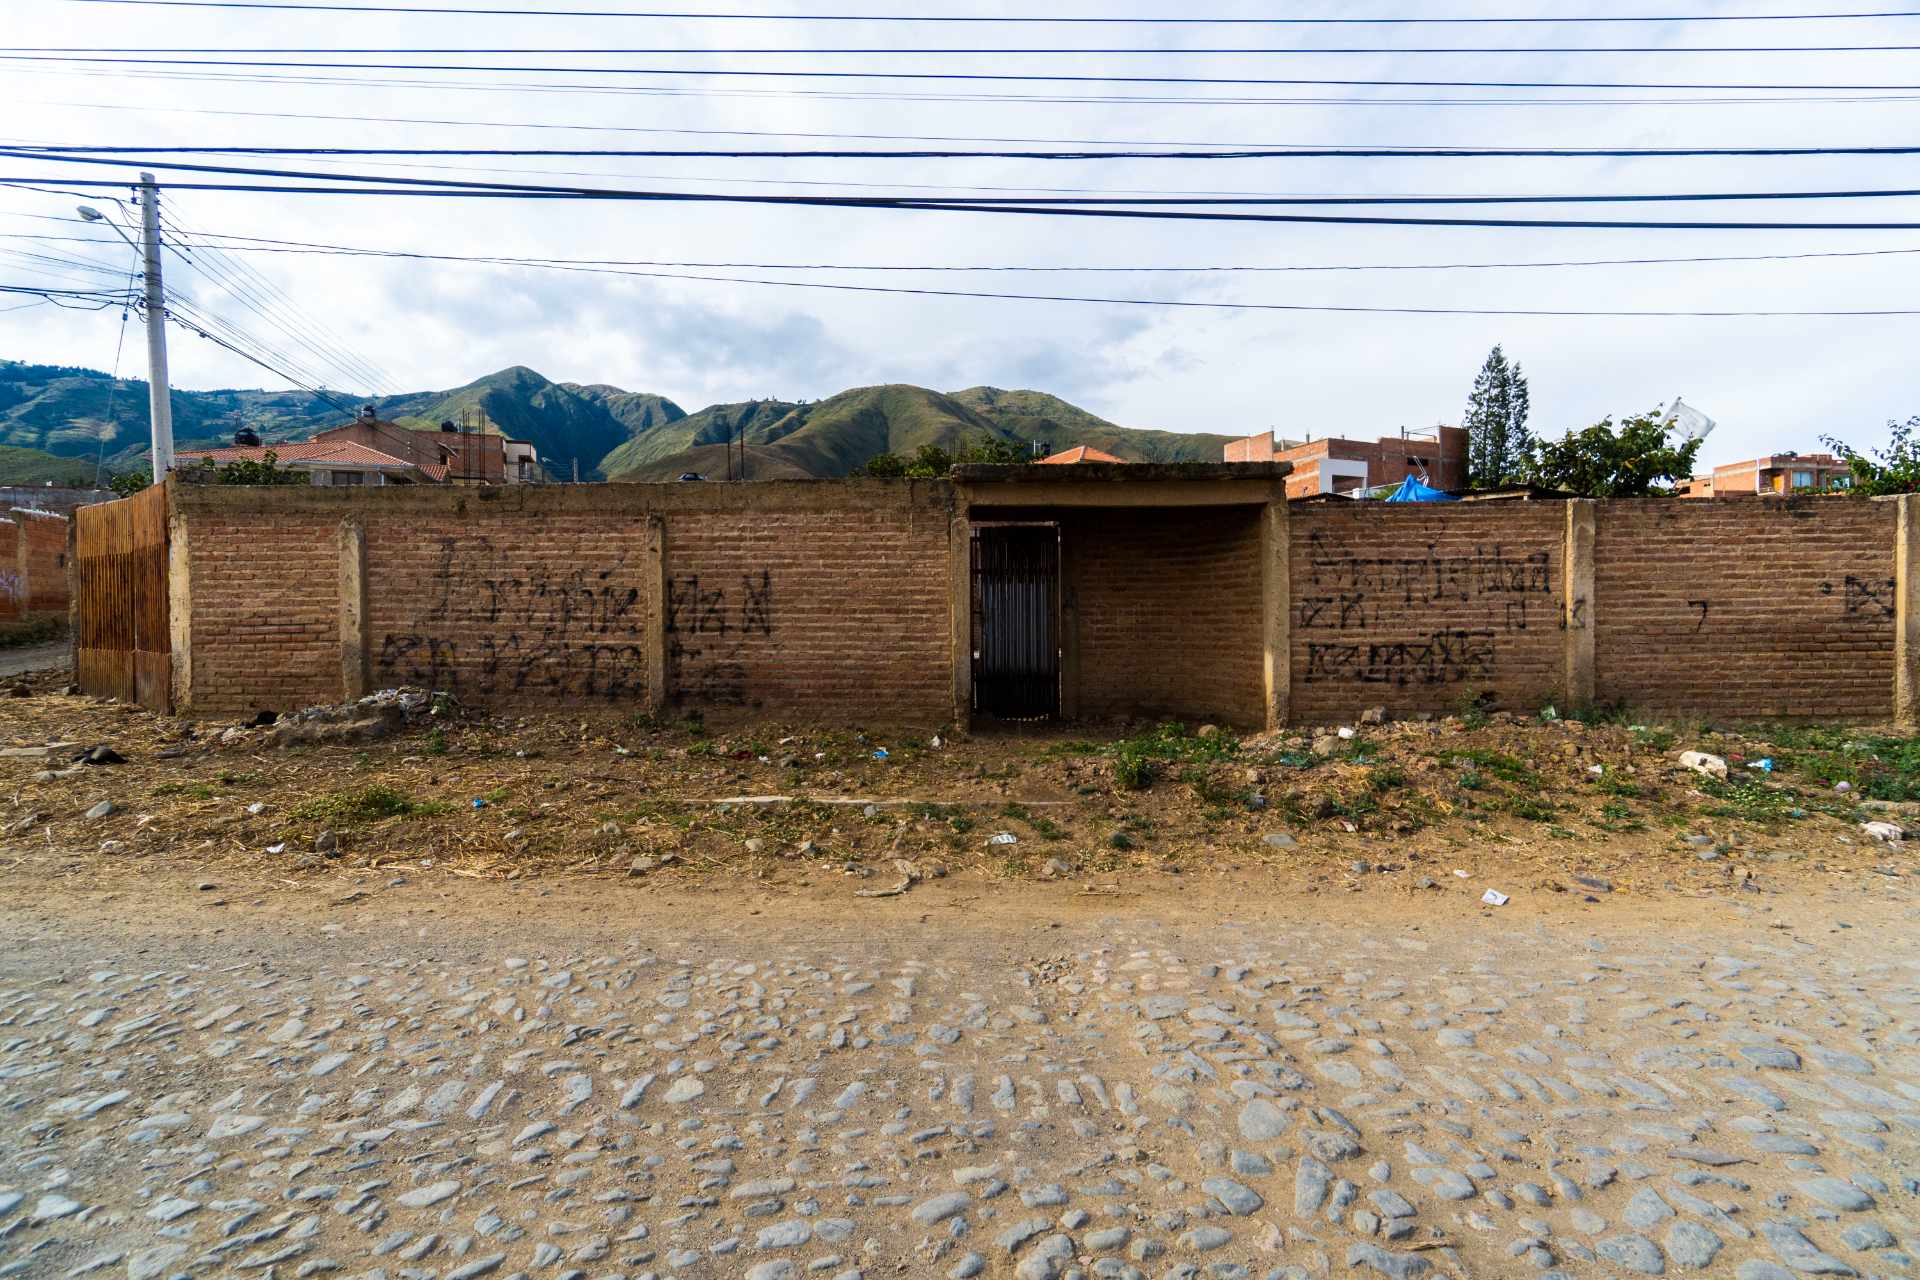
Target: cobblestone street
392,1092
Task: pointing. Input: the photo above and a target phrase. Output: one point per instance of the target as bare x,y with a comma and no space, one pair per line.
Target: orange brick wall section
1168,612
1778,608
1420,607
840,614
266,610
13,602
510,607
46,538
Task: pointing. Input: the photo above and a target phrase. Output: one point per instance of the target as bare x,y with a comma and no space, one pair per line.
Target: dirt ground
1562,811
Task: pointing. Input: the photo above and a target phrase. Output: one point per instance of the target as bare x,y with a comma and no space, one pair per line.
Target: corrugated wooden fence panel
123,640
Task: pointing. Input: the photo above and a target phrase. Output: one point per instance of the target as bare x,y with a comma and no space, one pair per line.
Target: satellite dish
1689,421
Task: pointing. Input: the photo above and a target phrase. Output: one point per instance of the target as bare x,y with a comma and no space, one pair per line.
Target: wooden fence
122,647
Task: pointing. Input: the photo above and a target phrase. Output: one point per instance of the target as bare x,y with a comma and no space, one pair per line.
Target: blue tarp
1411,490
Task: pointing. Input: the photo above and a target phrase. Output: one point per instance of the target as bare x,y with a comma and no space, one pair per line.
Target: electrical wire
1239,153
184,313
522,88
1287,148
731,73
1032,209
286,5
257,244
113,379
87,52
1021,203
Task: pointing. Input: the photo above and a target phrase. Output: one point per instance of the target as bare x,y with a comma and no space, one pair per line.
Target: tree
1897,469
1608,462
930,461
127,483
243,471
1498,446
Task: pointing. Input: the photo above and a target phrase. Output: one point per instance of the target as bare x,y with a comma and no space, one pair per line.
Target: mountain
58,412
31,466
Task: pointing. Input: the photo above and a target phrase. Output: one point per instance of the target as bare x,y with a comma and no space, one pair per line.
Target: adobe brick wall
1416,607
13,595
265,606
825,599
1165,612
1776,608
45,536
836,613
505,606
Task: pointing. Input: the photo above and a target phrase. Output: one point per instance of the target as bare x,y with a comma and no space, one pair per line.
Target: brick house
1334,464
449,454
1078,454
325,462
1775,475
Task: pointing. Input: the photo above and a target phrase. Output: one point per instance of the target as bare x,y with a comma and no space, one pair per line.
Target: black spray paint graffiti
1866,599
1348,593
493,626
1444,657
708,635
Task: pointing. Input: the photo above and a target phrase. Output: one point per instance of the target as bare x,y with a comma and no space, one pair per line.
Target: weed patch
365,804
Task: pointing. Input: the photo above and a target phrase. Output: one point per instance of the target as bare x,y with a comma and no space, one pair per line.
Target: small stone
100,811
326,844
1634,1252
434,1193
1691,1246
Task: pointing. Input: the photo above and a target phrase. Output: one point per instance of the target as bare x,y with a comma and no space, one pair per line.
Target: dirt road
33,657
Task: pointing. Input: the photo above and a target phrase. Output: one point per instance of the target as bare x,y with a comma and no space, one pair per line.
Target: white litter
1494,898
1004,837
1596,770
1702,763
1458,872
1346,731
1889,832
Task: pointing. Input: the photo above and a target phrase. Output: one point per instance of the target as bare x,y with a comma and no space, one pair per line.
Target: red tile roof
1081,453
328,452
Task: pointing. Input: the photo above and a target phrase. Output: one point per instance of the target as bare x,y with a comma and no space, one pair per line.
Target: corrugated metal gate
1016,620
122,640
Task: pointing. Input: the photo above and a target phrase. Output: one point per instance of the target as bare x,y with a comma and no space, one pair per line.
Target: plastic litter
276,848
1703,763
479,802
1458,872
1346,732
1004,837
881,754
1764,764
1596,770
1494,898
1549,713
1888,832
1843,787
936,743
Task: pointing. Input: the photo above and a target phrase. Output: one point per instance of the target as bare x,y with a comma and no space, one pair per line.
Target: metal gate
1016,620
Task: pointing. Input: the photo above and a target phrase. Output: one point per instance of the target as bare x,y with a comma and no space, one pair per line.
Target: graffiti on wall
711,627
1349,601
494,624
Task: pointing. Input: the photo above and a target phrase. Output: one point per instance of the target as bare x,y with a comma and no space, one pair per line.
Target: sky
1772,384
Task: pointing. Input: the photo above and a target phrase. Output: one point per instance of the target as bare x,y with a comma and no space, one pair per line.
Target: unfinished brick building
1009,593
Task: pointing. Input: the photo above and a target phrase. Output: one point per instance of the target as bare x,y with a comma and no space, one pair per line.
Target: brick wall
13,596
265,607
45,536
1416,607
1783,607
509,606
838,613
1165,613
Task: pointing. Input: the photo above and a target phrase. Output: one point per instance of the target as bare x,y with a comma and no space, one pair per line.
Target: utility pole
159,401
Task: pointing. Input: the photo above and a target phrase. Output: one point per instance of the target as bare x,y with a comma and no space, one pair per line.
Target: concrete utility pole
159,401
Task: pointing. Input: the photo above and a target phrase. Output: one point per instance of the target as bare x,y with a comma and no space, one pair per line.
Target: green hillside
31,466
59,412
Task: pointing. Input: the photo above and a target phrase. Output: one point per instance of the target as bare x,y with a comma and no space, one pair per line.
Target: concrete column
356,661
179,608
1276,596
1576,603
658,676
1906,613
960,611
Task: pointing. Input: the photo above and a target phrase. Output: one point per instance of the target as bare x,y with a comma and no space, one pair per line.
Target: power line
257,244
984,76
330,51
850,95
193,323
1238,153
284,5
507,191
1281,147
1029,203
104,298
